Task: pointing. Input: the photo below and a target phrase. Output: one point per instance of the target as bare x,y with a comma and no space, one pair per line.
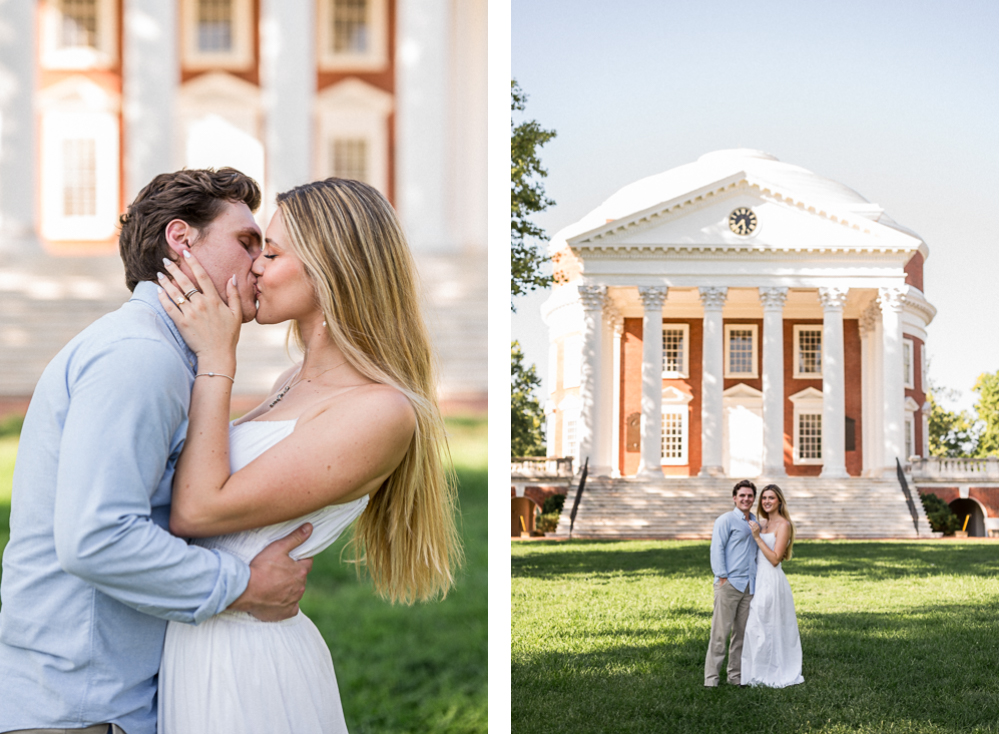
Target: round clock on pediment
743,221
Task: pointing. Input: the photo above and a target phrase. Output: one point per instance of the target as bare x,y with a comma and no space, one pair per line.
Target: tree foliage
986,409
527,196
952,434
958,433
526,415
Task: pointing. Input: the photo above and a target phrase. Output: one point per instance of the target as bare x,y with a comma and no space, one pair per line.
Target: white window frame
908,365
54,56
755,346
572,361
675,402
75,109
240,56
686,361
356,110
374,59
910,408
806,402
796,374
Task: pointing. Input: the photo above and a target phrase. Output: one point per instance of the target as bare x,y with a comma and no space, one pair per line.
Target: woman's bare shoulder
367,403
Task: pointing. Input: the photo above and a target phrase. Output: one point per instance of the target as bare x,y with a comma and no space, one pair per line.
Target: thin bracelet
215,374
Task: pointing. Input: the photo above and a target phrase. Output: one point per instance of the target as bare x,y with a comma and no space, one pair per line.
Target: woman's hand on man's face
209,326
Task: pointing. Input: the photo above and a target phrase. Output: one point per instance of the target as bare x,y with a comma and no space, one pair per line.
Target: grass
400,669
896,637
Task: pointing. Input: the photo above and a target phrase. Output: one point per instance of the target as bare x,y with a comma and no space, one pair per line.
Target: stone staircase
45,301
687,507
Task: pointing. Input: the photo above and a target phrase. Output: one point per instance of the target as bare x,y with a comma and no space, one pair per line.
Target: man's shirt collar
146,292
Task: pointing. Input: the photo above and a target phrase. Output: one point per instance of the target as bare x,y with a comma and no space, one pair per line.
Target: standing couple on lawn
753,600
111,620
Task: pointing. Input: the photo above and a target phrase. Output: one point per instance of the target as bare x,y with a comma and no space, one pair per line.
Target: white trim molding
353,111
808,402
79,161
239,55
60,52
797,373
684,348
754,350
364,41
675,412
908,364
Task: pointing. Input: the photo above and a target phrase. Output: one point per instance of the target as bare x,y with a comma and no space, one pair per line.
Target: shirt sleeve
720,538
127,403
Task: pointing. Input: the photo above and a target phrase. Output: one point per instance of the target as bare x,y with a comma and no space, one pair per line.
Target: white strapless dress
234,673
772,653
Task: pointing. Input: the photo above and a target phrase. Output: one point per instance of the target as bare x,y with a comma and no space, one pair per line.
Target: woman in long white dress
352,433
772,652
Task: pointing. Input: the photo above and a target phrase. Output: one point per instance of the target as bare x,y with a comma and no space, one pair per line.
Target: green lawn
400,669
896,637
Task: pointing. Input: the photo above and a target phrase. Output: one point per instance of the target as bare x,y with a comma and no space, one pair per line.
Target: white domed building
738,317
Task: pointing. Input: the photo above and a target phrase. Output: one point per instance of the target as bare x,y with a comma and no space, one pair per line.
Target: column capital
652,296
713,296
592,296
891,298
773,298
868,319
833,298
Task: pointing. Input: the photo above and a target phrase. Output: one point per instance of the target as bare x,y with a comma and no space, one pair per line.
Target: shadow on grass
690,559
930,671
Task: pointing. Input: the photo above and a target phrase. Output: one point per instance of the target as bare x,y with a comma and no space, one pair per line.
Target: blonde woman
772,653
352,434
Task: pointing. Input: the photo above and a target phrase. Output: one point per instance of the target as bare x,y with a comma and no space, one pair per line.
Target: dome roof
756,166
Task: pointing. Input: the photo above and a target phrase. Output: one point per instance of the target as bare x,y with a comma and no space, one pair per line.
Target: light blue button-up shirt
91,574
734,551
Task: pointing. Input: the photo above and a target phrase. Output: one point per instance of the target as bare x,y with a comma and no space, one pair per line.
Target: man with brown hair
734,565
91,575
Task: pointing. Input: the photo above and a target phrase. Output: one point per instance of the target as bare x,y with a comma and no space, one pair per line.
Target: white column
422,122
712,299
593,418
288,83
18,147
893,414
773,301
150,77
605,428
650,425
833,381
869,379
617,329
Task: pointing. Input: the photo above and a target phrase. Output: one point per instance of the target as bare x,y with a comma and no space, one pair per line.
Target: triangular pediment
742,391
699,220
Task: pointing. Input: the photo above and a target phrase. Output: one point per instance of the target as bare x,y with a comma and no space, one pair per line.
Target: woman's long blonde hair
783,511
353,248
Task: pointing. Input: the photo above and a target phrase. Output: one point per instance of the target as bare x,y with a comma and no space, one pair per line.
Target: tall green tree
527,197
988,389
526,414
952,434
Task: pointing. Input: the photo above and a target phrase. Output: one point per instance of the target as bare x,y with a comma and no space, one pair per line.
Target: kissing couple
111,620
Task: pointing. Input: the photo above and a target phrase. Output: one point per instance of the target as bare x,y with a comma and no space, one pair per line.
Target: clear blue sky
898,100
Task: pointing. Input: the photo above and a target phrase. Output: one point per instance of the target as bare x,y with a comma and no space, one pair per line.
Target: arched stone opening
967,507
522,516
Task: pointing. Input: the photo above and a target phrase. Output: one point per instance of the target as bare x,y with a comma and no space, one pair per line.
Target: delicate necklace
286,388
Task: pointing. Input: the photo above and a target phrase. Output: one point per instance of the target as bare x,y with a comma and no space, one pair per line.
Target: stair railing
909,497
579,494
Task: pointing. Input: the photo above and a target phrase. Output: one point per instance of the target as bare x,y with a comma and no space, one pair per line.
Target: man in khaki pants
734,563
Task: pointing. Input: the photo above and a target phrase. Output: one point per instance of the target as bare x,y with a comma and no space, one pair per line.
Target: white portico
737,316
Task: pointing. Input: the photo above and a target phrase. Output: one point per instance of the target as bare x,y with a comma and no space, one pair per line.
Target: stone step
688,507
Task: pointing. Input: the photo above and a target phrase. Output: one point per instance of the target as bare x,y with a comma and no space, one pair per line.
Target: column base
600,471
649,472
834,473
711,471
